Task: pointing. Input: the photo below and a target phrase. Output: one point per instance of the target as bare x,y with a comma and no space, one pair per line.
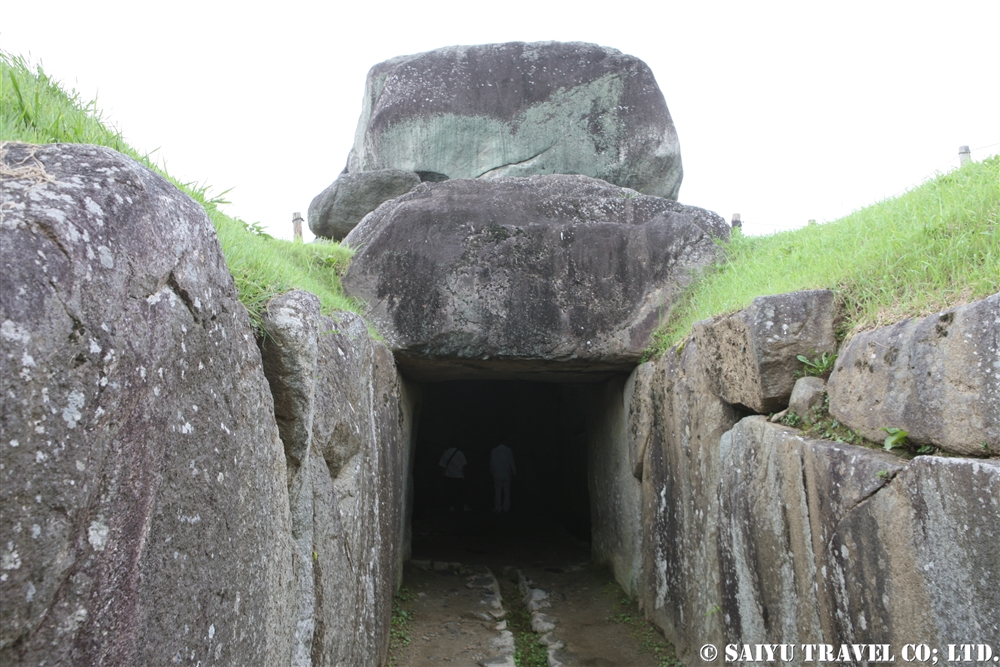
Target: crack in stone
890,476
184,296
49,233
514,164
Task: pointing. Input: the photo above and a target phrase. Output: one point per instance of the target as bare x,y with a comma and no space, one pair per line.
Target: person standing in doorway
502,468
453,465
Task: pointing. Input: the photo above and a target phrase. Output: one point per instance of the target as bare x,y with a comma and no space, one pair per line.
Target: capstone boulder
560,270
519,109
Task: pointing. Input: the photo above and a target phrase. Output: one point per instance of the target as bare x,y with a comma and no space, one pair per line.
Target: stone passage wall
614,490
150,514
346,426
752,533
143,507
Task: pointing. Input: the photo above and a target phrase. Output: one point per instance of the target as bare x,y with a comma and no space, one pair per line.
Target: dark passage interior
545,424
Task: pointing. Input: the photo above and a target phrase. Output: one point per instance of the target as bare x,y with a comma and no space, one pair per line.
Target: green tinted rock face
518,110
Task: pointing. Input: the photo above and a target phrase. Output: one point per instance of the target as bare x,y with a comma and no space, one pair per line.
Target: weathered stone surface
144,511
761,535
338,209
938,378
807,396
559,269
346,427
542,623
519,109
750,356
641,415
782,498
755,534
615,493
680,517
920,558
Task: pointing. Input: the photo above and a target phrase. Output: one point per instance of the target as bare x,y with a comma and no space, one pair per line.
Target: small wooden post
964,156
297,225
737,223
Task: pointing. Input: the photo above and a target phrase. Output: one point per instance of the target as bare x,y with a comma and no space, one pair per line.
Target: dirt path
448,612
451,623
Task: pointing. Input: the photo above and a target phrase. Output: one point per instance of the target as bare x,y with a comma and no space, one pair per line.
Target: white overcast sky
786,111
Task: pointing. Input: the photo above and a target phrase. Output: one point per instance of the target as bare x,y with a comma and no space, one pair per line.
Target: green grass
400,625
931,248
36,109
528,652
643,632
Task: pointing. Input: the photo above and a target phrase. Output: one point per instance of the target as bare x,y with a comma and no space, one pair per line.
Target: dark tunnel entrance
546,426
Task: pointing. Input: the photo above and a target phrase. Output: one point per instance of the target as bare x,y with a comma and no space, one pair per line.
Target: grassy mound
36,109
931,248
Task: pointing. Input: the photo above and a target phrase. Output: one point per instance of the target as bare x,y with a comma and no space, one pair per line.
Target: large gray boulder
782,499
559,270
143,508
346,423
519,109
678,420
920,558
753,533
751,357
937,377
338,209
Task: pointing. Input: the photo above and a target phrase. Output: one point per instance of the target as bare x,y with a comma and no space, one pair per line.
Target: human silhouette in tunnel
502,469
453,465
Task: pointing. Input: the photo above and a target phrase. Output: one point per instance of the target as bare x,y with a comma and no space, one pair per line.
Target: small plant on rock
896,438
820,424
792,419
819,366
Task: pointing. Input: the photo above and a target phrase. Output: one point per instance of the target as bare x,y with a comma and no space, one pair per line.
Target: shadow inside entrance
545,425
495,539
570,448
